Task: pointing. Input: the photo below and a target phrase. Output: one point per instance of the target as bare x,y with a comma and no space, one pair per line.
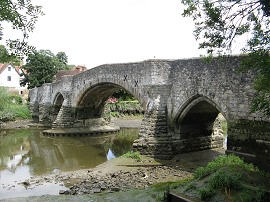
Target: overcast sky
95,32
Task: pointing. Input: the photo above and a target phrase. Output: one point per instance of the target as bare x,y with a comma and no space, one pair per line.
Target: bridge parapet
181,98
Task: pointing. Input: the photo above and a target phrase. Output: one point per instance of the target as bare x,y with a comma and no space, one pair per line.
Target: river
26,153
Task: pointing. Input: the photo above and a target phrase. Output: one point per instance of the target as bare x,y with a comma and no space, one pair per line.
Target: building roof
76,70
4,66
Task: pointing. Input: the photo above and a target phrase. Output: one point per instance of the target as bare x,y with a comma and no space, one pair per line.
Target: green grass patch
20,111
14,111
223,161
133,155
225,180
228,178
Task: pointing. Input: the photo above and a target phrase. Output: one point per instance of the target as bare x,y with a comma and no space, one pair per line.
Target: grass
14,111
222,161
133,155
228,178
20,111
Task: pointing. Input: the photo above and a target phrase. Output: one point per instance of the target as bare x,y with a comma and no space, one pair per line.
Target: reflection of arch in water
198,125
65,153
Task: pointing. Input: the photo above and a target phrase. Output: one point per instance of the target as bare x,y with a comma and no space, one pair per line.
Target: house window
9,78
9,68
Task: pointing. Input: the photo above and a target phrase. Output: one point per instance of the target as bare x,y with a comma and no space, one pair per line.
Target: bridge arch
122,84
56,105
198,124
91,100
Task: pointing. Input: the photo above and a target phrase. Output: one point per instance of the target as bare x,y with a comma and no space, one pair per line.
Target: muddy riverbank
123,174
117,175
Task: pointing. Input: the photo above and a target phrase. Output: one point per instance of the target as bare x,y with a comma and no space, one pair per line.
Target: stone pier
181,99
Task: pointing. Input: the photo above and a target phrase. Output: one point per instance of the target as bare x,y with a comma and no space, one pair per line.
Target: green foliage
224,127
219,25
41,66
5,57
20,111
3,97
125,108
133,155
62,57
206,194
259,61
222,161
122,141
22,16
123,95
225,180
251,195
13,111
9,111
16,99
7,115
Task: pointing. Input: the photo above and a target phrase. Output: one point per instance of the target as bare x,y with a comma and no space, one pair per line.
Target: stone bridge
181,98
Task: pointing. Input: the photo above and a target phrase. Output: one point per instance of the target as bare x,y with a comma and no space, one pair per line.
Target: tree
219,23
62,57
5,57
21,15
41,66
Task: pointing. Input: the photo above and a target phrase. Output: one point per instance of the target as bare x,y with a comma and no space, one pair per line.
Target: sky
96,32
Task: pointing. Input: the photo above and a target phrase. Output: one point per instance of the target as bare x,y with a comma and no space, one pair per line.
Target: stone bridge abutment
182,100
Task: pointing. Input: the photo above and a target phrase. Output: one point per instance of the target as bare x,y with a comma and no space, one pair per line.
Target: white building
10,77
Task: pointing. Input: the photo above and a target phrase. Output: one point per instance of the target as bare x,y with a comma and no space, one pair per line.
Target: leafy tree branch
219,24
21,15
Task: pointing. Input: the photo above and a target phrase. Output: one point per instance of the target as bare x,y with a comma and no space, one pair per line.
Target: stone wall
181,99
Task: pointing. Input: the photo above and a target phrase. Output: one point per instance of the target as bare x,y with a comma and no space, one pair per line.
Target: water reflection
26,152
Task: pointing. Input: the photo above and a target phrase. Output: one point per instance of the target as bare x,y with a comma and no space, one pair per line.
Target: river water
26,153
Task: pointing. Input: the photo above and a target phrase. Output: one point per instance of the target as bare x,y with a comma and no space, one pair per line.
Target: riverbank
119,175
19,123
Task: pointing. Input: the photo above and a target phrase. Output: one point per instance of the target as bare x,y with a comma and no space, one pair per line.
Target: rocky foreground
121,174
